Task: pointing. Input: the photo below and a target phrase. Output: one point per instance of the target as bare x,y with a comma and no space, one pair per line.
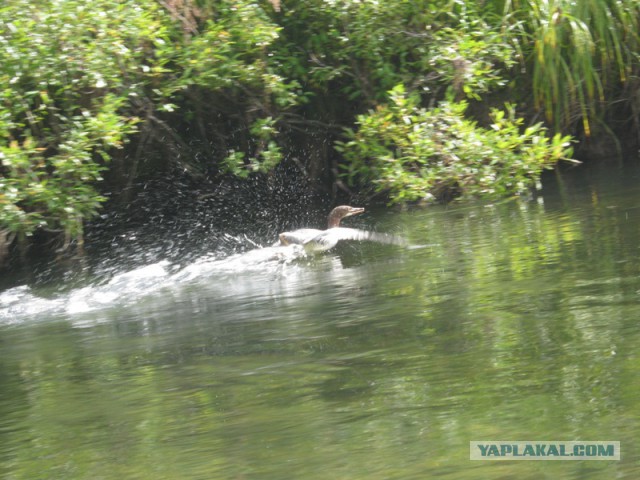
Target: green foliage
57,191
76,78
237,164
66,70
360,50
573,55
418,154
469,56
267,157
578,53
230,51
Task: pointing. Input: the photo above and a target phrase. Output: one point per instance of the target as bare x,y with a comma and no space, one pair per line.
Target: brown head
341,212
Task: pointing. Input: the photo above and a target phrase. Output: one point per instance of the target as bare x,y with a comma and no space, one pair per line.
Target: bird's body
298,237
314,240
327,239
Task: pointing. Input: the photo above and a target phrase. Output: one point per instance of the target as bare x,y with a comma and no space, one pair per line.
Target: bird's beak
355,211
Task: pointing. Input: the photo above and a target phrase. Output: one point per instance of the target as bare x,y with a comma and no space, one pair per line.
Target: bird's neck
334,221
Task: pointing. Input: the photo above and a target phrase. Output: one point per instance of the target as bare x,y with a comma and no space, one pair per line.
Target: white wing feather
328,239
297,237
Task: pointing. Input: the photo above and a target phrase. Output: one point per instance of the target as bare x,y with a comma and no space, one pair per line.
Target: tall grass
578,53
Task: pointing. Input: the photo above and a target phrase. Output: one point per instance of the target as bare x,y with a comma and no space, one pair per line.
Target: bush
67,69
357,51
78,78
413,153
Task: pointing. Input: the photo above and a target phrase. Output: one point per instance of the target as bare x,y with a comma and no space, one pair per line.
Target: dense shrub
78,78
66,70
415,153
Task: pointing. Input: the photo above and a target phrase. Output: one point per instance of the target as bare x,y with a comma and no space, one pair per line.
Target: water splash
127,289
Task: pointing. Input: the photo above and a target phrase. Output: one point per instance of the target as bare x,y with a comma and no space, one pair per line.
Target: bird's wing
297,237
329,238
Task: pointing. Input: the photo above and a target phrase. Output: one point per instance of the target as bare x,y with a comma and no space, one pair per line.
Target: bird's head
341,212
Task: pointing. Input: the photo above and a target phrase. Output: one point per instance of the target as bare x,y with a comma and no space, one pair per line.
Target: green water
512,322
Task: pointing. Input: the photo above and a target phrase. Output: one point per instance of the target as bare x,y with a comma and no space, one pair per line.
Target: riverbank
401,101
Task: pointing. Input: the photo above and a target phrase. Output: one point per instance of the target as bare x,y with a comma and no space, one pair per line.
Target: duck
314,240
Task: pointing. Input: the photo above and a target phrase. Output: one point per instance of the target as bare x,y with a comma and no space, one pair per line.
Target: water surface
516,321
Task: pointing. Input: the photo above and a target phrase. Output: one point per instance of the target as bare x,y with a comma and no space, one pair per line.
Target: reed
579,54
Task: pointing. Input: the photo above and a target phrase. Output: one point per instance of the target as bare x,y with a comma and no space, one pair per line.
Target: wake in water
22,303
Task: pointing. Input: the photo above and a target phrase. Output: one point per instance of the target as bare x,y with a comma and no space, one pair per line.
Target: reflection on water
516,322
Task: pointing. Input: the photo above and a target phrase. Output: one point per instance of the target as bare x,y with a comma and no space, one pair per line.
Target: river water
512,321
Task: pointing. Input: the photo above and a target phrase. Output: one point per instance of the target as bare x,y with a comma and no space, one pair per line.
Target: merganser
315,240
